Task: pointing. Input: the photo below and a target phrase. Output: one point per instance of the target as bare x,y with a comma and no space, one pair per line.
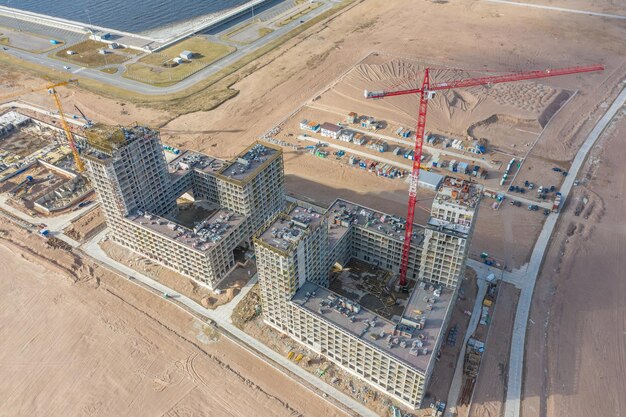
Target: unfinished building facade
139,191
396,355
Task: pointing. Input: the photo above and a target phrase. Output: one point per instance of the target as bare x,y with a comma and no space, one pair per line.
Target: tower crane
426,92
80,166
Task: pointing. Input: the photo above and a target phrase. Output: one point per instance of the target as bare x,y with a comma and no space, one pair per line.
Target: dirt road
575,360
113,349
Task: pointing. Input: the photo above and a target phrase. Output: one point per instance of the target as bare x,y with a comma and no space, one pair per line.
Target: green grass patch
109,70
87,54
204,95
265,31
203,49
298,15
158,68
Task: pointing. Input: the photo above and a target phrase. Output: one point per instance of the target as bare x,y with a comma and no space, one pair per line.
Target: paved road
526,277
558,9
118,81
221,316
457,379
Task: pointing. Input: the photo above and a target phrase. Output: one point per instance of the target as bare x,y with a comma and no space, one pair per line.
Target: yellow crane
80,166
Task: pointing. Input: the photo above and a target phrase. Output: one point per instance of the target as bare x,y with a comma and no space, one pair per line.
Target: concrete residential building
138,190
397,357
448,232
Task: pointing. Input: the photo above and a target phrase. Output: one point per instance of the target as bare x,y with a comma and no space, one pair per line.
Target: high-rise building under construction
139,189
394,354
296,245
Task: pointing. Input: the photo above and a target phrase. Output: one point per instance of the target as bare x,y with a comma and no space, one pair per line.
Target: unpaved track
576,352
116,350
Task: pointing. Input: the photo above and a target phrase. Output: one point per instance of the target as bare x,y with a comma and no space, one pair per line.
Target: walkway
221,316
526,277
118,80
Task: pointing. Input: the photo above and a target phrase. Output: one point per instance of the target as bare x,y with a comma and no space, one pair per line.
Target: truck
557,202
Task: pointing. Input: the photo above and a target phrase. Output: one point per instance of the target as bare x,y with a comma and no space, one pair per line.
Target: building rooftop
194,160
249,161
408,343
459,192
103,140
342,214
14,118
287,230
330,127
202,237
430,179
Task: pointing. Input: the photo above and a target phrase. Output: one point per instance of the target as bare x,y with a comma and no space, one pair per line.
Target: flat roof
195,160
14,118
414,348
342,214
207,234
287,230
431,179
104,140
249,161
459,192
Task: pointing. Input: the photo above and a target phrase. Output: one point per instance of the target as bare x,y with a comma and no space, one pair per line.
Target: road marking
558,9
78,70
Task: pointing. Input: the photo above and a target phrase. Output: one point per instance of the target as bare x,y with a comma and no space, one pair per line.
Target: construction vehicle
427,92
51,88
85,118
557,202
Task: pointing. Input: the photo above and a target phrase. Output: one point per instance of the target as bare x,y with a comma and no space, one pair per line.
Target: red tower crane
427,92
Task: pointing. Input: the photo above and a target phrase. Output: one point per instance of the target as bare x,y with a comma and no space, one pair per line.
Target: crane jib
427,92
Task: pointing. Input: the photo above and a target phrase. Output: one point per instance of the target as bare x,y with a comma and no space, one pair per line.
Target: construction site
201,217
37,170
255,225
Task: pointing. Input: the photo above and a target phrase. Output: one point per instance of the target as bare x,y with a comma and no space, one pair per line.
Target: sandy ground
575,362
103,346
230,286
507,235
468,34
474,35
490,388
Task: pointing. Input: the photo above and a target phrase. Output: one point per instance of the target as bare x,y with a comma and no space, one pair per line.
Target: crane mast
80,166
427,92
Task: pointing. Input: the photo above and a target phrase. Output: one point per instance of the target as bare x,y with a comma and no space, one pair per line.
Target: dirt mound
450,111
505,121
554,106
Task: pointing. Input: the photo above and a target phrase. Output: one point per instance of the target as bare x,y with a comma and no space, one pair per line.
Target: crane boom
80,166
427,92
